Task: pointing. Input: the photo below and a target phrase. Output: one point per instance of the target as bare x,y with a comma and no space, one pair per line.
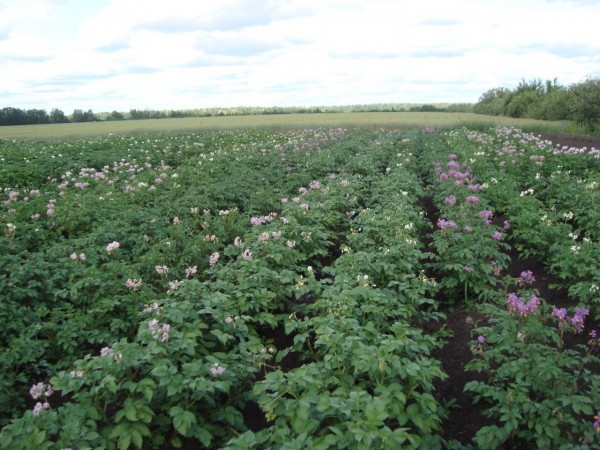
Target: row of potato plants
144,292
540,391
66,293
548,194
369,376
69,290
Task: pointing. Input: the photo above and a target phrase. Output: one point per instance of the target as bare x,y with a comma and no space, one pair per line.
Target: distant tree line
16,116
535,99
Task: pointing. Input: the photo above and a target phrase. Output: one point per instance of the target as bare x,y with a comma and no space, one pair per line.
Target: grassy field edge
399,120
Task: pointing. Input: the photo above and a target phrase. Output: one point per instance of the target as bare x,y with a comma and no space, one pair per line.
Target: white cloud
122,54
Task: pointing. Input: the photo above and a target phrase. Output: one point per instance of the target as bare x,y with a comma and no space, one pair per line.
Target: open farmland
316,288
372,120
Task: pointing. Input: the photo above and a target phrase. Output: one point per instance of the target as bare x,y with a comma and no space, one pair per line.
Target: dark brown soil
571,140
464,418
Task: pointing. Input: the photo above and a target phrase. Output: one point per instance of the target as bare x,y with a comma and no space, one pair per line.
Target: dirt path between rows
571,140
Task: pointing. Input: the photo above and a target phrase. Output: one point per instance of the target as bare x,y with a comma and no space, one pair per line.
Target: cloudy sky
110,55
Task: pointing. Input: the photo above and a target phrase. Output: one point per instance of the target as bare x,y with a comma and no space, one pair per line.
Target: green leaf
39,437
109,383
118,431
130,411
337,431
175,411
92,413
124,441
586,410
222,337
136,437
203,436
148,392
183,421
141,428
375,411
5,439
324,442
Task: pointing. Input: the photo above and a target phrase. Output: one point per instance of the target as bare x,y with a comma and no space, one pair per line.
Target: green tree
77,116
80,116
526,99
585,103
555,105
524,104
57,116
12,116
492,101
115,115
37,116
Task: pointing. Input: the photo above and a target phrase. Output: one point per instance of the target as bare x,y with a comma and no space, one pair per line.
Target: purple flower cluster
443,224
216,370
454,172
158,332
453,165
472,199
475,187
577,320
458,176
518,305
109,352
39,407
526,278
41,390
486,215
496,268
560,314
450,201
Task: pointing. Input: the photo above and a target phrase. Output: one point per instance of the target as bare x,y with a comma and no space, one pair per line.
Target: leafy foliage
263,289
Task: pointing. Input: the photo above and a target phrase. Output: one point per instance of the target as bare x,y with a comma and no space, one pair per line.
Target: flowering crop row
147,239
269,290
368,377
154,289
470,247
548,194
540,391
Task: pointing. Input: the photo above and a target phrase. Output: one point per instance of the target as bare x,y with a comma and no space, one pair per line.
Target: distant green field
402,120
